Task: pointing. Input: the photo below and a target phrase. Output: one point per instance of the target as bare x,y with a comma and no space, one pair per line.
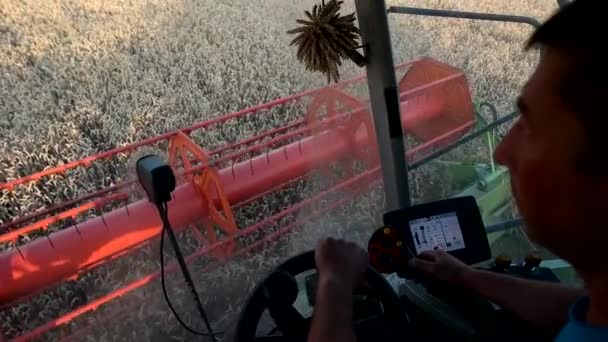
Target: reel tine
46,234
77,230
99,212
74,222
16,243
103,219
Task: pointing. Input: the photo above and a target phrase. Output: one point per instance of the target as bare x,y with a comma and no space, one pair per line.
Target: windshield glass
267,160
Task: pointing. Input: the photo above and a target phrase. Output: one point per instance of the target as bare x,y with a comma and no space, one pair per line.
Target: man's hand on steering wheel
341,263
341,266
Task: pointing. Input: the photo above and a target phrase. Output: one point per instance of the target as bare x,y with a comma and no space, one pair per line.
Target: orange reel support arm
179,148
210,189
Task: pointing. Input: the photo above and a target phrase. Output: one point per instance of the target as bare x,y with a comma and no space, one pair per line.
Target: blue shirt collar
578,315
578,311
577,328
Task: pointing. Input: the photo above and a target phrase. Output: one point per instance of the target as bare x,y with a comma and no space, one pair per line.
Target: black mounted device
156,177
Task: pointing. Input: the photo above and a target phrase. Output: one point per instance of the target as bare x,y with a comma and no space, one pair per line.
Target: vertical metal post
384,96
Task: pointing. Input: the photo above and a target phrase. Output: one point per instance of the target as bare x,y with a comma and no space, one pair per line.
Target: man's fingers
422,265
430,255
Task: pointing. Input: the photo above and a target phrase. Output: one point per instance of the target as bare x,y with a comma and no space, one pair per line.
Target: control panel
453,225
529,268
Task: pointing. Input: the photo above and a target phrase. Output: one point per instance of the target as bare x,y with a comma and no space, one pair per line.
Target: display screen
439,232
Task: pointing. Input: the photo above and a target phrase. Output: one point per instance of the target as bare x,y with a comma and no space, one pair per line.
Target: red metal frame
71,213
208,194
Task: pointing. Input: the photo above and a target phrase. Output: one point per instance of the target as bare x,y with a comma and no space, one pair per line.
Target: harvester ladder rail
517,19
465,139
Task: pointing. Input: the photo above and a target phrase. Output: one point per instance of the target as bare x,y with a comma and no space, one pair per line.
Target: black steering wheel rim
250,316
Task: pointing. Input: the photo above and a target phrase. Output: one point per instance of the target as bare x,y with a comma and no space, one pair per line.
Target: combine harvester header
335,128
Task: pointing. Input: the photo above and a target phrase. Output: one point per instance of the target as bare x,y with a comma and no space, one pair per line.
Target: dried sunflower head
325,38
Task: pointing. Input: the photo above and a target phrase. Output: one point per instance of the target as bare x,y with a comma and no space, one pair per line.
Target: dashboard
452,225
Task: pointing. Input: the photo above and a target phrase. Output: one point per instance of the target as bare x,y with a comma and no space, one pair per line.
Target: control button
533,260
399,243
387,231
503,262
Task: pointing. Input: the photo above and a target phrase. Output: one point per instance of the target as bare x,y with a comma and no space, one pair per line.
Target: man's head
556,152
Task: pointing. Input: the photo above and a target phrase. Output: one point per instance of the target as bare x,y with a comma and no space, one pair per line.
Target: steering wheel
277,293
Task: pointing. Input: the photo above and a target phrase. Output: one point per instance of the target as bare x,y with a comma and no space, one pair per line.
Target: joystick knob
533,260
503,262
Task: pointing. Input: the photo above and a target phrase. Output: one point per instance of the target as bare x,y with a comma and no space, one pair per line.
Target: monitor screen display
439,232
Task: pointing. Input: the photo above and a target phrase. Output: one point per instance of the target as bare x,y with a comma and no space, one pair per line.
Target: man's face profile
555,197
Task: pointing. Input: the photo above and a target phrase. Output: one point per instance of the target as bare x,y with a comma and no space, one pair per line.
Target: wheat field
78,77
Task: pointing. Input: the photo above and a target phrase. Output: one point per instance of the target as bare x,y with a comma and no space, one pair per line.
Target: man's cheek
533,193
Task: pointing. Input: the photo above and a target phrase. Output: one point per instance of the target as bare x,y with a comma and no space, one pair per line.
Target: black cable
163,210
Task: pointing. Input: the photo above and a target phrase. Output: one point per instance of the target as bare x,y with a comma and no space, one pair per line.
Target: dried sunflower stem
326,39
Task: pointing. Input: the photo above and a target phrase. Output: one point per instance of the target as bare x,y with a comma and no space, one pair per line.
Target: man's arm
341,266
333,316
542,304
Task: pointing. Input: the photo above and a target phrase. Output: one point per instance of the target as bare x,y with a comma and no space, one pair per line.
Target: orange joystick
503,262
533,260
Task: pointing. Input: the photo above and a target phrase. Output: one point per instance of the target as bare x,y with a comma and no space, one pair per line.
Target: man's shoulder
577,329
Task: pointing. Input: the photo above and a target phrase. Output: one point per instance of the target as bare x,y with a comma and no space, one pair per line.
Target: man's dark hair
578,31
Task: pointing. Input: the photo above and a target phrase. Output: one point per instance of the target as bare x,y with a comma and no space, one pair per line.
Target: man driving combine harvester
559,179
419,284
